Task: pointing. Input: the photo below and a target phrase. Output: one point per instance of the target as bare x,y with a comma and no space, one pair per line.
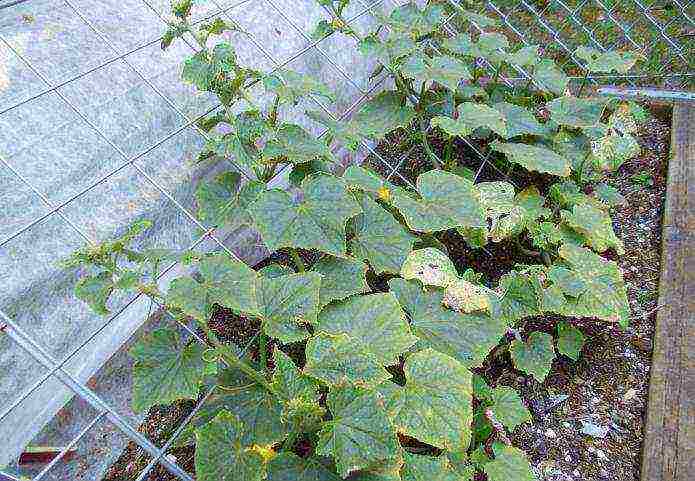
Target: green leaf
431,266
610,61
605,296
291,86
570,340
248,128
220,455
339,360
409,20
387,470
520,295
165,369
525,56
466,337
535,356
223,201
445,70
550,78
95,291
229,283
359,435
595,225
186,294
510,464
533,204
288,466
609,195
379,238
299,394
384,113
359,178
198,71
519,121
446,201
462,44
472,116
287,303
316,222
428,468
534,158
376,320
292,143
434,406
508,408
347,132
342,278
576,112
388,51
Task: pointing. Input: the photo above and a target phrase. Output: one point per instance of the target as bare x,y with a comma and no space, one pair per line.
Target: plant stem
584,81
273,117
296,258
263,351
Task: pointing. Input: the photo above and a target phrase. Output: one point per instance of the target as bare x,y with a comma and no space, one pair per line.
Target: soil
605,390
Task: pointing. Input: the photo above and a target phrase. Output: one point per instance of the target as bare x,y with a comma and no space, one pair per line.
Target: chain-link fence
52,84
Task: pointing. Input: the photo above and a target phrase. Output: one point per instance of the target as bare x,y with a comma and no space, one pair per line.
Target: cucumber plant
350,381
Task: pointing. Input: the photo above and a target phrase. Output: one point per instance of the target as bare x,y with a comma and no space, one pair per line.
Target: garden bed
588,416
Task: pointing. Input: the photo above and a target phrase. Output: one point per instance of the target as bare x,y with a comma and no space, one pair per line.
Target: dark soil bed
588,415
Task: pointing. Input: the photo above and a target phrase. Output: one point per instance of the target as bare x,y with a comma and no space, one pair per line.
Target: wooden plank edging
668,452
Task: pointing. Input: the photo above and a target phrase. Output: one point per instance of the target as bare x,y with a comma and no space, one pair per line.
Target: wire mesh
663,34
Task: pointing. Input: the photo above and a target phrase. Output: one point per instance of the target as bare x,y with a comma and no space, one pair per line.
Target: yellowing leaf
431,266
535,158
463,296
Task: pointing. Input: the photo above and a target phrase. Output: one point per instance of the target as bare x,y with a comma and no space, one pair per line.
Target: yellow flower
266,452
384,193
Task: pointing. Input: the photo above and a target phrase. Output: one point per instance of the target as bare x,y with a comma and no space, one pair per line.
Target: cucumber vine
365,367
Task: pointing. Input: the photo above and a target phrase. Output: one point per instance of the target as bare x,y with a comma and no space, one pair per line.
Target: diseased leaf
612,151
472,116
466,297
519,121
533,204
535,158
288,466
220,455
549,77
446,201
535,356
510,463
291,86
508,225
376,320
287,303
388,470
339,360
342,278
462,44
289,381
497,198
165,369
379,238
576,112
435,404
508,408
316,222
359,435
570,340
596,227
466,337
291,143
610,61
431,266
428,468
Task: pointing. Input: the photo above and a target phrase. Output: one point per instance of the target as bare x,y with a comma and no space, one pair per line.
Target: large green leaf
359,435
446,201
595,225
388,470
535,356
520,121
508,408
379,238
570,340
576,112
607,62
525,56
376,320
289,382
534,157
472,116
521,291
95,291
603,295
287,303
291,143
347,132
220,454
359,178
430,266
409,20
316,222
165,369
388,51
291,86
434,406
288,466
510,464
223,201
445,70
429,468
383,114
341,278
340,360
549,77
466,337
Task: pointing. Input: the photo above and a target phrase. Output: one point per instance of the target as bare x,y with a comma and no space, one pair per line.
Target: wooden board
669,436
